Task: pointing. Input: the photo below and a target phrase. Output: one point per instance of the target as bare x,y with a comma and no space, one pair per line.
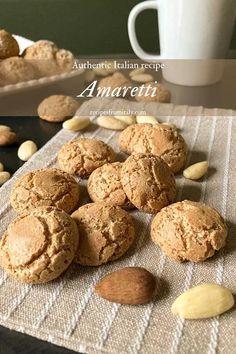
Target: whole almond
127,119
7,137
196,171
26,150
131,285
4,176
76,123
142,78
1,167
110,122
137,72
203,301
146,119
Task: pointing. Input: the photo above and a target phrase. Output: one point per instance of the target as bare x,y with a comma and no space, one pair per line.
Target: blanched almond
131,285
137,71
26,150
76,123
196,171
4,176
203,301
7,137
110,122
146,119
127,119
142,78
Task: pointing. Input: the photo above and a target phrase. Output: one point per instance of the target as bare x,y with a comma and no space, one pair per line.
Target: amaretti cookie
16,69
189,231
39,245
57,108
117,80
8,45
45,187
162,94
107,232
82,156
156,139
148,182
104,185
48,58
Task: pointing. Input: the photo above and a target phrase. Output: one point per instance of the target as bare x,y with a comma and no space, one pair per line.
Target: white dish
37,83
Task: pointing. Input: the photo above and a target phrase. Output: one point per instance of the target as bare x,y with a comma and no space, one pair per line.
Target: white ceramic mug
189,29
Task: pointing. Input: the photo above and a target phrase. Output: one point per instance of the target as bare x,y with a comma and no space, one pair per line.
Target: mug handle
150,4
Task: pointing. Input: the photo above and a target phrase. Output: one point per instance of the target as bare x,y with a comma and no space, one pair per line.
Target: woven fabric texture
68,313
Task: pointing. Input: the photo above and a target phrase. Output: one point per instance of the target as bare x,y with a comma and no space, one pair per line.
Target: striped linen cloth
68,313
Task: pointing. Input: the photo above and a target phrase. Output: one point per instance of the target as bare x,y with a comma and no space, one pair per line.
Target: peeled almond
4,127
110,122
196,171
203,301
143,78
127,119
136,72
26,150
4,176
76,123
146,119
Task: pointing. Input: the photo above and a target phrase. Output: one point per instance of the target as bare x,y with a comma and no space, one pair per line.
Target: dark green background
83,26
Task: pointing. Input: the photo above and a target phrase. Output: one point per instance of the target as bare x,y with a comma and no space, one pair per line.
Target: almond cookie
8,45
104,185
189,231
117,80
156,139
57,108
82,156
161,93
39,245
45,187
16,69
107,232
48,58
148,182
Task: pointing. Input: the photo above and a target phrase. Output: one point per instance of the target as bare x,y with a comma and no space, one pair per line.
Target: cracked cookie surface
156,139
189,231
45,187
148,182
82,156
107,232
104,185
39,245
8,45
57,108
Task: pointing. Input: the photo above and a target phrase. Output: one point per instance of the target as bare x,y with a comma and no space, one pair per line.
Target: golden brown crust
82,156
45,187
107,232
148,182
48,58
104,185
189,231
16,69
156,139
8,45
57,108
39,245
162,94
